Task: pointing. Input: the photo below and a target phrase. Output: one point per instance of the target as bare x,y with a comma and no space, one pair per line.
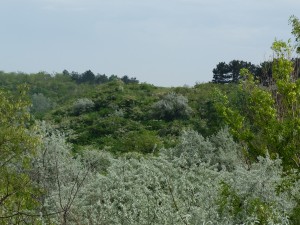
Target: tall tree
230,73
264,73
236,65
87,77
17,195
101,78
221,73
270,124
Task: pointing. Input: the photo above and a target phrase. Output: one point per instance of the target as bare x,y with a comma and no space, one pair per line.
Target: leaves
198,181
172,106
269,120
17,146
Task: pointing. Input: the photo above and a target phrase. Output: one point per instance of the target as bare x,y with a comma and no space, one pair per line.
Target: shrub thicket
188,184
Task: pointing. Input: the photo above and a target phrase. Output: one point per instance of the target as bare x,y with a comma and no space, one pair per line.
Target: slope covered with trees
91,149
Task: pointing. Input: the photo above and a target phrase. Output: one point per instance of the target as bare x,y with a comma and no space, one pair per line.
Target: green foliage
228,73
200,180
269,121
253,192
296,30
229,202
154,167
58,88
295,217
119,107
17,146
139,141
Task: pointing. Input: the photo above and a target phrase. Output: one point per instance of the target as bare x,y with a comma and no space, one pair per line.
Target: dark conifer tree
230,73
221,73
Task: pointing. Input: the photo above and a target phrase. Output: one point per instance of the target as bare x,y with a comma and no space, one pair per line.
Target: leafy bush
138,141
60,175
82,105
268,119
253,194
219,150
40,104
180,186
172,106
17,147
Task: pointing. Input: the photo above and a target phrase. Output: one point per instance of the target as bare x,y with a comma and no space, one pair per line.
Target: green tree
221,73
264,73
230,73
270,120
87,77
101,78
128,80
17,194
235,67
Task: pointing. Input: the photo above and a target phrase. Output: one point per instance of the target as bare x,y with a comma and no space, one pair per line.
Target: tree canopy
17,147
230,73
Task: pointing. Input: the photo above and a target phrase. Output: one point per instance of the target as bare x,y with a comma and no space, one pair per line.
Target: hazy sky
163,42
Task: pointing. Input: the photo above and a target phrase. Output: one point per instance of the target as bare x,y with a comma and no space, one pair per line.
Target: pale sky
162,42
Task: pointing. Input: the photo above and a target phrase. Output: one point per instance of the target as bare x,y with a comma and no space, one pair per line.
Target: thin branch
174,202
29,214
8,160
58,183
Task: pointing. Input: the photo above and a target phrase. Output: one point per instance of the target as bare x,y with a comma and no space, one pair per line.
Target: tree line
89,77
225,73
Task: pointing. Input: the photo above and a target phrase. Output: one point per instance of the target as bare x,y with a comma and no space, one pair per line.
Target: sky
161,42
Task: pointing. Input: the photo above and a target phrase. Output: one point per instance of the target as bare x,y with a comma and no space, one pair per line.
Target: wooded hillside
91,149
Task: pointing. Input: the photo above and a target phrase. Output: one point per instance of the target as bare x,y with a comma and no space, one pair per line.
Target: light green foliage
296,30
207,120
270,119
17,146
172,106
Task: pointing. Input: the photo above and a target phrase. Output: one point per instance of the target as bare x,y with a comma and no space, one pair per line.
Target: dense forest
95,149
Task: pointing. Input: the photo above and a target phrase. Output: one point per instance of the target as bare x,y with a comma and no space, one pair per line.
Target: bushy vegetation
82,105
172,106
187,184
17,147
91,149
